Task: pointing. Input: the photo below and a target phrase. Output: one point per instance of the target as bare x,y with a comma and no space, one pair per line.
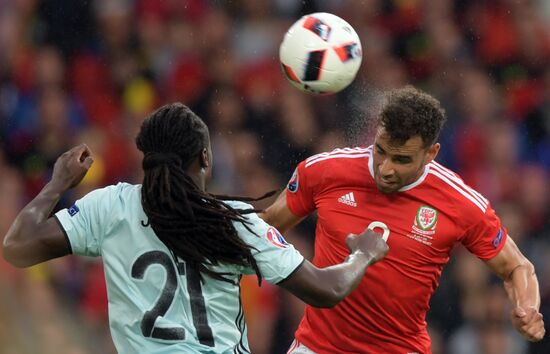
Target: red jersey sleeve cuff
498,243
294,206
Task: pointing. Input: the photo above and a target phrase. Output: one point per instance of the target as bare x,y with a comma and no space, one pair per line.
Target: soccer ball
320,53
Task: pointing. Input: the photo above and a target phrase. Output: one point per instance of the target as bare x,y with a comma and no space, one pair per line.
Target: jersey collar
406,187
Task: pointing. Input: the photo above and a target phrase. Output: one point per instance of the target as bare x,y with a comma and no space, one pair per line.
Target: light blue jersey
158,305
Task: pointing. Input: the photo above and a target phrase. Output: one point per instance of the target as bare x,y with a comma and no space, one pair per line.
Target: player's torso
420,229
155,301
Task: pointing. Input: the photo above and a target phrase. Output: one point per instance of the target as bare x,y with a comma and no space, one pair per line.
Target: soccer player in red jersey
421,209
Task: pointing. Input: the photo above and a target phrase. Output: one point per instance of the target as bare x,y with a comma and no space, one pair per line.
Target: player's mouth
387,184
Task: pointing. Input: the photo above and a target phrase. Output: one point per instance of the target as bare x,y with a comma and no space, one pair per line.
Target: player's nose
386,168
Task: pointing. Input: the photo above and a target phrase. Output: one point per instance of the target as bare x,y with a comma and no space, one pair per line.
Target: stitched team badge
423,228
426,218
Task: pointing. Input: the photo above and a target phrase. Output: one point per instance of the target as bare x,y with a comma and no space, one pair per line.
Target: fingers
88,161
519,312
525,316
350,241
529,322
83,155
539,335
534,332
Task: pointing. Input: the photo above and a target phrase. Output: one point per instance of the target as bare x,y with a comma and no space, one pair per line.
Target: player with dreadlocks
173,253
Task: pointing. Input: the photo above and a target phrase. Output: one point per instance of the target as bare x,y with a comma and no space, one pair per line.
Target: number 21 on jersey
164,301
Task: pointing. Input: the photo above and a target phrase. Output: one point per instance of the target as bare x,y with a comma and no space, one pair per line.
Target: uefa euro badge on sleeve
293,183
498,239
274,236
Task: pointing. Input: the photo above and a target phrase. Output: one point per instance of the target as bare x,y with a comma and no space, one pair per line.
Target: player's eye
402,160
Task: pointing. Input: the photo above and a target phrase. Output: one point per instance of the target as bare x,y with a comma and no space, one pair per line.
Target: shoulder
238,205
338,157
450,185
123,190
112,195
344,165
235,204
119,188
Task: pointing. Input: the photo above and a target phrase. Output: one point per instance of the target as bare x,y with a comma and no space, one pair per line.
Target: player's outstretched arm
279,216
522,287
34,236
326,287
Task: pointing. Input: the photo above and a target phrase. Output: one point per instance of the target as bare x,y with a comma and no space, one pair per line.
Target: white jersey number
380,225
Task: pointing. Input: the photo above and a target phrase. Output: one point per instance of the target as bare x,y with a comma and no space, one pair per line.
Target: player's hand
370,243
71,167
528,322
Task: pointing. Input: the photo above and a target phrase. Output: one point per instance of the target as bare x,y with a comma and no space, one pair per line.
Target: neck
197,180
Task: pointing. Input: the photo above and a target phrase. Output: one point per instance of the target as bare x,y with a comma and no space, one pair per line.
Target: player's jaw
398,165
387,185
393,182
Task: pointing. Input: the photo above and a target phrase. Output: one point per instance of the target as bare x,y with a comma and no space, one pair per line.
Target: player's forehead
411,147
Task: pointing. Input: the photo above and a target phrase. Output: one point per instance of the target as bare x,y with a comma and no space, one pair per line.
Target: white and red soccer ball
320,53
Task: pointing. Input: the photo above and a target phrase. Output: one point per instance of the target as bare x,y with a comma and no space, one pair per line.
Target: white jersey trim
346,153
455,178
466,194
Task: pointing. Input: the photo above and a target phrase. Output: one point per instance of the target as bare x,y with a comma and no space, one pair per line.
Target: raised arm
522,287
326,287
279,215
34,236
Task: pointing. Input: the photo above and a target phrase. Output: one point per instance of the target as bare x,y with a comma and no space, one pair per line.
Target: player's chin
388,188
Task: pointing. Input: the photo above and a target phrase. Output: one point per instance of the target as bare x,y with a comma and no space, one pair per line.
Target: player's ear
431,153
205,158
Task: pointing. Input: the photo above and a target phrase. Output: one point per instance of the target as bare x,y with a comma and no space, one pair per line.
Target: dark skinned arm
326,287
34,236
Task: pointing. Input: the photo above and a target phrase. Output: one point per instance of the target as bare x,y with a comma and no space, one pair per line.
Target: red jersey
421,223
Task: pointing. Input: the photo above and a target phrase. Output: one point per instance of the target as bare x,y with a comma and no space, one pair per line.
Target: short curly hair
408,112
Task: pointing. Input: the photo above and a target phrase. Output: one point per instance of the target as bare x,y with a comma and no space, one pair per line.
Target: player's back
158,304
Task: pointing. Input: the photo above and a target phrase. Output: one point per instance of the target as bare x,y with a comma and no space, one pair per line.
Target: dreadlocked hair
195,225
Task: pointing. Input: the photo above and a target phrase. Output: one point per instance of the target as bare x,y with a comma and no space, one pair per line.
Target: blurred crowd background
90,71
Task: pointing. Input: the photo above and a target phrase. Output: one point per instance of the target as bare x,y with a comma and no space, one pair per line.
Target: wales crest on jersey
426,218
425,221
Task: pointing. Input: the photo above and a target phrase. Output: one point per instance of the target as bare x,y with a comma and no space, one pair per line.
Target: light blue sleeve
275,258
87,221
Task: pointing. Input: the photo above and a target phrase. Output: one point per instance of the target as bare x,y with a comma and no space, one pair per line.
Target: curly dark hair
408,112
195,225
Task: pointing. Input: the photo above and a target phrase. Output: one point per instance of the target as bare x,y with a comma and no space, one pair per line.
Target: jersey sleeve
275,258
486,237
86,222
300,191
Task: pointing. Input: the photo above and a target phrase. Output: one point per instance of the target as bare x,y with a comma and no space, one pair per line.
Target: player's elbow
12,254
330,303
16,251
328,298
529,267
524,267
323,302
